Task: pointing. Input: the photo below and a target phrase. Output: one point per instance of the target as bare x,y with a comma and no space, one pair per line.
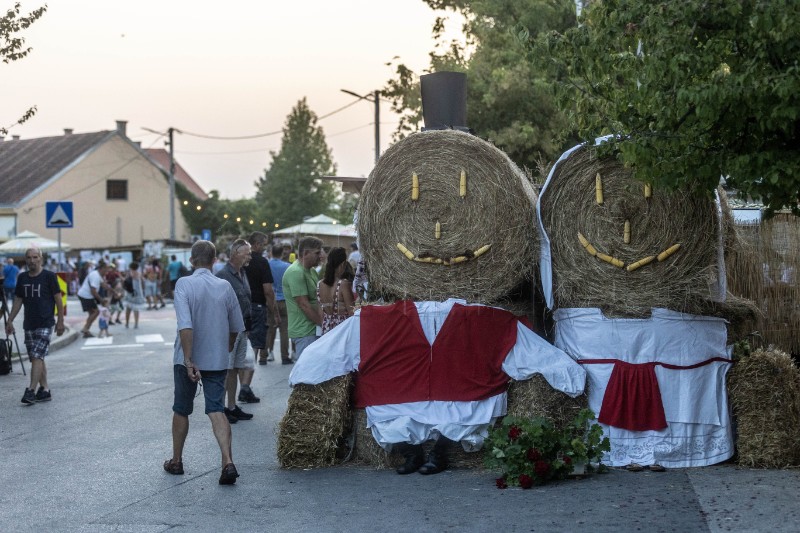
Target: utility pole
376,97
171,184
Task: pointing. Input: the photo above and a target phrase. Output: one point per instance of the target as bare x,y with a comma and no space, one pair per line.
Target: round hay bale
497,210
569,206
311,432
535,397
764,392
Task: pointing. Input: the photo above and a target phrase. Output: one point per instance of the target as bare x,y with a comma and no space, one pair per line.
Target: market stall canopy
28,239
319,225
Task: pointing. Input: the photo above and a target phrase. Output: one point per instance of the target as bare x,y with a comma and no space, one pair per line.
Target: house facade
120,195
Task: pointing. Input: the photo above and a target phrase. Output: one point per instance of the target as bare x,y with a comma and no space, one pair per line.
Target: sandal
174,467
656,468
634,467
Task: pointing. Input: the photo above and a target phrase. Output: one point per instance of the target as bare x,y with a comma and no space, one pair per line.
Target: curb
69,336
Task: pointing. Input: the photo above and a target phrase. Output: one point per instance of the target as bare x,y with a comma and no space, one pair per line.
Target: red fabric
398,365
633,399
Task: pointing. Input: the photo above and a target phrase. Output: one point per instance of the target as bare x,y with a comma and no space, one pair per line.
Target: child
118,294
104,318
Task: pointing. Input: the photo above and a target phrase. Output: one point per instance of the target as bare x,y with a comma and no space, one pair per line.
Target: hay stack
569,206
317,417
497,210
535,397
765,397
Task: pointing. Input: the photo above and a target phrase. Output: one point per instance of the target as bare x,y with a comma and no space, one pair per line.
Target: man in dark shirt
38,290
259,274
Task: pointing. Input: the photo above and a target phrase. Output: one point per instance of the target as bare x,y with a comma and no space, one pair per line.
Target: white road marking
115,346
95,341
155,337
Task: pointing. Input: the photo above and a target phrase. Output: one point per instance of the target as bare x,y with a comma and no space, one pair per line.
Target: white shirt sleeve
534,355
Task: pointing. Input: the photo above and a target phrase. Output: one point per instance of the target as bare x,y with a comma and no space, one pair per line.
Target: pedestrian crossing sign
58,214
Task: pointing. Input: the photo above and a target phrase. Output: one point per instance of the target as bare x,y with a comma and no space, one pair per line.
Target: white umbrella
28,239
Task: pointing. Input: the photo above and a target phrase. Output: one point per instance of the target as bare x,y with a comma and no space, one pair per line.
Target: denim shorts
258,326
185,389
301,343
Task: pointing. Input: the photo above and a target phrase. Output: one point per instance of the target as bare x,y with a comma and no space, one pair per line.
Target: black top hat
444,101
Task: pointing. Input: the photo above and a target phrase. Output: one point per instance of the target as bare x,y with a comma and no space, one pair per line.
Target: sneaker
271,356
262,361
229,475
237,413
287,362
43,395
29,398
174,467
231,418
247,396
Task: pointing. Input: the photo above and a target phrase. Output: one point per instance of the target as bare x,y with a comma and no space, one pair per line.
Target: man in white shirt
89,294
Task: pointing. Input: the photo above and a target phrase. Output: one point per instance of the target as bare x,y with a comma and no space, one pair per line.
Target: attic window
116,189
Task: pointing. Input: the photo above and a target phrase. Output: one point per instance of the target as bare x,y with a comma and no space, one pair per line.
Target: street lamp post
376,99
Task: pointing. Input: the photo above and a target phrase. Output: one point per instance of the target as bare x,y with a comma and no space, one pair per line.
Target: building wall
100,222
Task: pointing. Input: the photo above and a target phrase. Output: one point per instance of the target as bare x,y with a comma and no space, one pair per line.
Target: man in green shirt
300,289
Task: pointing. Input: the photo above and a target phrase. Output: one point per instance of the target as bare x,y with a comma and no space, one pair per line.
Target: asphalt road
91,459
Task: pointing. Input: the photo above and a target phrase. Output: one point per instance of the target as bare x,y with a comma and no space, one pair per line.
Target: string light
238,219
264,224
225,215
277,225
251,221
199,207
186,202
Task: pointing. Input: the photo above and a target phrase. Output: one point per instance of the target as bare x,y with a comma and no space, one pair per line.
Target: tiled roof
161,158
26,165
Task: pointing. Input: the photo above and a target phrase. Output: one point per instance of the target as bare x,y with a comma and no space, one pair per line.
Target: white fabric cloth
338,353
695,401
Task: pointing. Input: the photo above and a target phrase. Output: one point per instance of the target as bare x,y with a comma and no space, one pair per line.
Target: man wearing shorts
240,367
89,294
38,291
259,275
209,321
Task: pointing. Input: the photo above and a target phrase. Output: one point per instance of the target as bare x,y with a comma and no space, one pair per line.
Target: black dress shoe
414,460
437,462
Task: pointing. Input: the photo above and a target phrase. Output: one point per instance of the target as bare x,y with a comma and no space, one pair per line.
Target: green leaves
694,89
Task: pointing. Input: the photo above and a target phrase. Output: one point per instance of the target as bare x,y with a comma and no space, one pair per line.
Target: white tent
319,225
324,227
29,239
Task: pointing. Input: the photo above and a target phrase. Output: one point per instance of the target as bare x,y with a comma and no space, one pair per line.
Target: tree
510,100
12,46
691,90
292,187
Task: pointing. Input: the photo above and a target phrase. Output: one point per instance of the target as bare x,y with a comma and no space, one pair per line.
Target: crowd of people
257,293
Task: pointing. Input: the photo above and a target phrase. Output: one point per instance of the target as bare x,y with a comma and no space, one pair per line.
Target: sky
212,68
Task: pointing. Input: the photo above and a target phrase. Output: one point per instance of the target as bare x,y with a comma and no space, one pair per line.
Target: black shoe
238,413
262,361
436,463
414,460
43,395
229,475
247,396
287,362
29,398
173,467
231,418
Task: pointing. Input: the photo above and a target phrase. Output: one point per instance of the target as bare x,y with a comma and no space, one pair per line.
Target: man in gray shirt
240,367
209,320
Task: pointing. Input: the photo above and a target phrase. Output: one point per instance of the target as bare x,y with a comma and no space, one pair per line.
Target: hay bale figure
635,276
461,210
765,398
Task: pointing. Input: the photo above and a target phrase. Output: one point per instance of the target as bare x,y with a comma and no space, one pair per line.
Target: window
117,190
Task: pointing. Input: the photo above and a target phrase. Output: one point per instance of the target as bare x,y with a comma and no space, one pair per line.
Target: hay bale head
446,214
624,247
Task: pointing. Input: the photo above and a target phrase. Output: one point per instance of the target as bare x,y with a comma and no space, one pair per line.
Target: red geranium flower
501,483
525,481
533,455
567,460
514,433
542,468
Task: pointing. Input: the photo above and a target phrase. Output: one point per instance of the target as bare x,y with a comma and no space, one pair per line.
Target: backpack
183,271
5,357
128,284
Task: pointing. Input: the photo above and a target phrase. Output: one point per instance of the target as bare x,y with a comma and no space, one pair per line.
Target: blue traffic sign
58,214
206,234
